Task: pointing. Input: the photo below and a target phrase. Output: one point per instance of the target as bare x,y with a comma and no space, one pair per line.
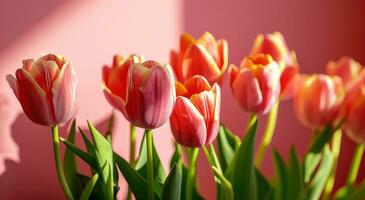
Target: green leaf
136,182
321,177
359,194
264,190
311,162
141,165
225,148
70,165
196,195
104,161
89,188
241,172
172,185
176,157
321,139
281,187
85,156
295,178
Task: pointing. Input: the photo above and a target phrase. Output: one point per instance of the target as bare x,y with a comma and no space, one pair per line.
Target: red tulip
144,92
347,68
46,89
275,45
317,99
195,119
256,84
204,56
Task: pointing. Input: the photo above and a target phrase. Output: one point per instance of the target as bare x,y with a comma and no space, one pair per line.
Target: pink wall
317,30
89,33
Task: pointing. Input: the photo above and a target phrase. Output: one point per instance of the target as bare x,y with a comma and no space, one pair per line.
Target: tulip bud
194,121
256,84
275,45
143,92
346,68
46,89
317,99
204,56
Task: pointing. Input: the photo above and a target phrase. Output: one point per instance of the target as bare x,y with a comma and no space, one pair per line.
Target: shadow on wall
318,31
34,177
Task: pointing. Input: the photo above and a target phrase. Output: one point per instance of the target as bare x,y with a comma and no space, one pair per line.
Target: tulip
256,84
347,68
115,80
317,99
205,56
275,45
354,125
143,92
194,121
46,89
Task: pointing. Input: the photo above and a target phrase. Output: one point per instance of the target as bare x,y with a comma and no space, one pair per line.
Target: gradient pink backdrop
90,32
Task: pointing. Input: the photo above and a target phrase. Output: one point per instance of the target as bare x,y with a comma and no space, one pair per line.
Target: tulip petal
45,72
216,115
115,101
33,99
208,41
198,61
196,85
157,97
64,94
269,81
223,54
175,61
134,103
186,40
187,124
247,91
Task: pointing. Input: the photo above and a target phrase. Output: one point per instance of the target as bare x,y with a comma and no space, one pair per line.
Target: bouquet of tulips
188,95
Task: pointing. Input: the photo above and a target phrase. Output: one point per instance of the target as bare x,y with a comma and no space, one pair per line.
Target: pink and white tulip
46,89
194,121
143,92
256,84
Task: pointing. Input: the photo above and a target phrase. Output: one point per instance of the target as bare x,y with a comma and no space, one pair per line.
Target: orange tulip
194,121
275,45
347,68
46,89
204,56
317,99
143,92
256,84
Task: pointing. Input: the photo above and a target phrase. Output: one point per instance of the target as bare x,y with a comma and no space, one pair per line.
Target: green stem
59,168
132,152
214,157
225,183
356,161
268,134
336,147
151,194
191,174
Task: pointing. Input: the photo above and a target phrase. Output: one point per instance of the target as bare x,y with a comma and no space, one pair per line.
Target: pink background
90,32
